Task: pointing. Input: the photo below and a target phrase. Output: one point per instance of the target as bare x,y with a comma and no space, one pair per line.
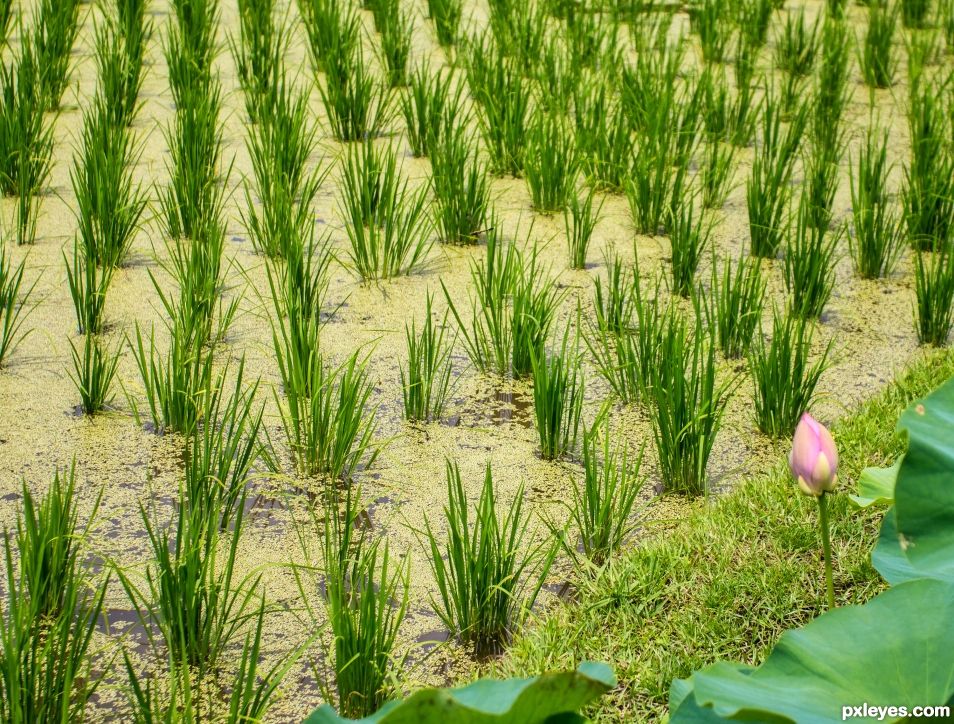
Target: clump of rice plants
333,31
709,20
258,54
357,102
194,194
388,227
687,404
735,304
916,13
928,185
426,381
190,47
110,205
365,601
603,135
15,305
53,36
550,163
718,169
689,236
579,220
93,372
326,417
795,54
175,383
26,140
395,27
832,89
430,98
602,508
753,18
809,266
488,572
877,53
558,384
120,49
614,307
934,287
768,190
461,188
502,95
783,375
221,450
193,595
625,351
877,238
446,16
6,17
88,284
51,611
821,161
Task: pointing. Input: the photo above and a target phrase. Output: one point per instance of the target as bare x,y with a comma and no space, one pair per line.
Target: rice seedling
916,13
431,97
876,239
135,30
625,358
820,166
795,54
876,58
88,284
6,17
591,36
51,612
708,21
768,190
93,372
258,53
502,96
446,16
783,375
535,300
193,595
426,381
602,508
753,18
387,224
119,67
743,115
360,600
927,191
809,266
923,50
603,134
556,79
26,141
934,287
461,188
190,47
488,573
194,194
832,91
614,307
176,383
356,101
689,237
579,221
284,221
395,27
558,385
110,205
326,418
333,31
550,163
687,404
735,303
716,173
15,305
221,451
53,36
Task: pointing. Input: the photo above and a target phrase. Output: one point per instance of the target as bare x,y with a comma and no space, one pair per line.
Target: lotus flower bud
814,458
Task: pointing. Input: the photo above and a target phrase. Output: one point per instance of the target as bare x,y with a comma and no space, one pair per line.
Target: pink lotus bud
814,458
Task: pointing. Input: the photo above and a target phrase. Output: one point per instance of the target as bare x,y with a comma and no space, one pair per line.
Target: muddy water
488,420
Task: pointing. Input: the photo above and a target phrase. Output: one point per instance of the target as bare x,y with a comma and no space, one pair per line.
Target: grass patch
724,582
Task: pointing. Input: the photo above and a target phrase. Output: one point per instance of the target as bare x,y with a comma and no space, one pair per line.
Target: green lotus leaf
876,486
896,650
552,698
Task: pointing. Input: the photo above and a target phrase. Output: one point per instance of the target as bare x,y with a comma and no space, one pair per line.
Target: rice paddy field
340,342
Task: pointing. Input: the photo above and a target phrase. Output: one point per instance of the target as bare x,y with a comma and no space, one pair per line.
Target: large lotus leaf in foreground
895,650
552,698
